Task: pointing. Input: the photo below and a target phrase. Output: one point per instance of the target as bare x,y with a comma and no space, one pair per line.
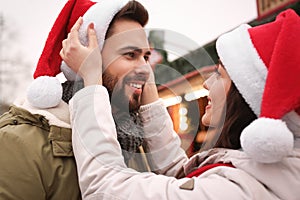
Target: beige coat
103,174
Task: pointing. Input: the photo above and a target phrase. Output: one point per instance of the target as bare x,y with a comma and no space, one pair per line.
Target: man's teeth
209,102
135,85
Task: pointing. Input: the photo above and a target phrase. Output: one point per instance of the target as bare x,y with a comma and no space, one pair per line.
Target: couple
252,159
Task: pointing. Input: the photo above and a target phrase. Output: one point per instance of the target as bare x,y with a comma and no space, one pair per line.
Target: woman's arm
163,142
101,168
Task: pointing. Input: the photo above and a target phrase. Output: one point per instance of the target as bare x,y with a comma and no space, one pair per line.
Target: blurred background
181,33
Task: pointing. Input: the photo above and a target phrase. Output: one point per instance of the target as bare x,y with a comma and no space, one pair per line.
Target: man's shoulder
19,127
27,153
18,119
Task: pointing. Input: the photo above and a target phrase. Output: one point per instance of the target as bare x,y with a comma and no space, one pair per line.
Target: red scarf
200,170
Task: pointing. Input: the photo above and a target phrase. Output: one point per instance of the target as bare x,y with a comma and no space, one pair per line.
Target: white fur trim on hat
68,72
44,92
267,140
236,51
101,14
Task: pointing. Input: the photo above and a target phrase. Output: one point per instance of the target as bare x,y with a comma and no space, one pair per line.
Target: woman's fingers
77,24
61,53
86,61
93,42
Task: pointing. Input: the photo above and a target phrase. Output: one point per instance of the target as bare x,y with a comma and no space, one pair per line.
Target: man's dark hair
134,11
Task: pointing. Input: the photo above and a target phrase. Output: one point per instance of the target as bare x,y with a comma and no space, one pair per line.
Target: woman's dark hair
134,11
238,115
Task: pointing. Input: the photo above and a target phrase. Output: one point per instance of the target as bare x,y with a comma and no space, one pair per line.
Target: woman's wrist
88,81
150,93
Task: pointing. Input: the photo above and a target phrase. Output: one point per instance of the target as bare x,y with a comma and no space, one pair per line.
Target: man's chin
134,106
126,102
134,102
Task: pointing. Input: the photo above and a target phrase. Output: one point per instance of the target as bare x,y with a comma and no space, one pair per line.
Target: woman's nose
207,83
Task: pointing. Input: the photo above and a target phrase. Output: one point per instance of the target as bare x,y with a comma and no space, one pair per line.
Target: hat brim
243,64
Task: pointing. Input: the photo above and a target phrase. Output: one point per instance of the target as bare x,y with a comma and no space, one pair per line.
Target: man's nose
142,64
141,60
143,70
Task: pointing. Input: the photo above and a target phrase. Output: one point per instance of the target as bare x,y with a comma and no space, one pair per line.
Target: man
36,156
126,70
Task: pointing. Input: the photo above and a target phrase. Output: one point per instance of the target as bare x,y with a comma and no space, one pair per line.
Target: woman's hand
86,61
150,93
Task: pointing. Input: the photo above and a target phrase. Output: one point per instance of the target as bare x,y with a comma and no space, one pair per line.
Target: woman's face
218,86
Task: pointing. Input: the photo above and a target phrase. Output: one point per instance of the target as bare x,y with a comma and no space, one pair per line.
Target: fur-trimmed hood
58,116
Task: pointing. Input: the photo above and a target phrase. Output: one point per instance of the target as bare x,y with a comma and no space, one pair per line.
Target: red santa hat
46,91
264,64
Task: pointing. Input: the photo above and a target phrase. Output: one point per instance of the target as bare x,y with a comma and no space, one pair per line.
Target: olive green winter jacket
36,158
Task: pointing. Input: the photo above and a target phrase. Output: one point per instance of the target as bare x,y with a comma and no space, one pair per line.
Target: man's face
125,64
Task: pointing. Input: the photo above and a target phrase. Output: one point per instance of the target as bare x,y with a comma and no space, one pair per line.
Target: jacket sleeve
163,142
102,171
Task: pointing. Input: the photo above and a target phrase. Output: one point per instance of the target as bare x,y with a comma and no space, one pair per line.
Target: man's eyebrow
133,48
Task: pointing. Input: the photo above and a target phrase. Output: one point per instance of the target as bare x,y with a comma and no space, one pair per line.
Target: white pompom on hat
264,64
46,91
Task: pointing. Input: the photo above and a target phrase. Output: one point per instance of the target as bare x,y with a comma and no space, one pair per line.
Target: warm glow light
196,95
172,101
183,118
183,126
182,111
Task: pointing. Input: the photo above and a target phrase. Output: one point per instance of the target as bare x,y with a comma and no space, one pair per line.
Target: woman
267,166
227,113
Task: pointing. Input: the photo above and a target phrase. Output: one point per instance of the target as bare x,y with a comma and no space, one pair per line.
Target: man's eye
130,54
